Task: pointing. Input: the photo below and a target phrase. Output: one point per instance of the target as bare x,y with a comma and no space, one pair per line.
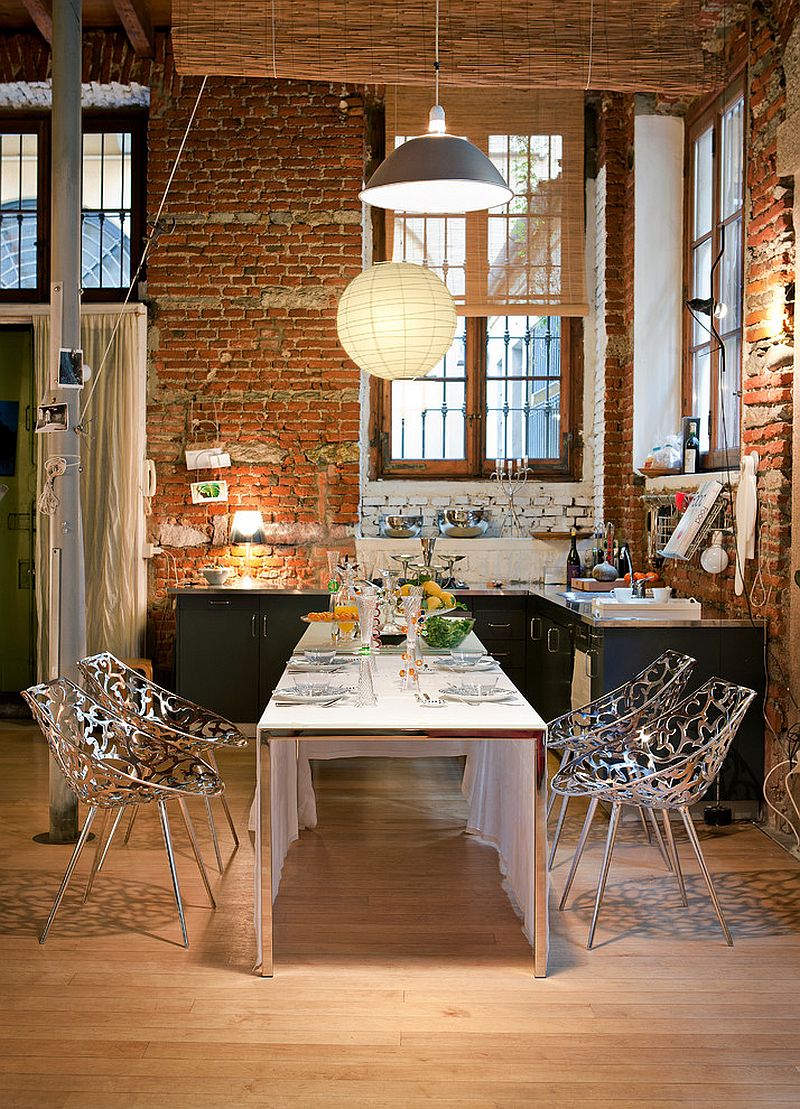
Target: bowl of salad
445,632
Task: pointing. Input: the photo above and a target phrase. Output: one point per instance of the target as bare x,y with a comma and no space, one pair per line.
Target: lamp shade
436,174
396,320
247,527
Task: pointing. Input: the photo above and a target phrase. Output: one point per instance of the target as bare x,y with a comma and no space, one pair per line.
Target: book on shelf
704,502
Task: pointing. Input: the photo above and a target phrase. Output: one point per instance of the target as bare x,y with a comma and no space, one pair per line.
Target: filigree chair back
669,763
648,695
126,692
106,761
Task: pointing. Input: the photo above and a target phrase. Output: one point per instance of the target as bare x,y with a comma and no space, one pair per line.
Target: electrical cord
54,467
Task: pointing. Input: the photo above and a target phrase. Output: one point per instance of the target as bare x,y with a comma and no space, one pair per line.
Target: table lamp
247,528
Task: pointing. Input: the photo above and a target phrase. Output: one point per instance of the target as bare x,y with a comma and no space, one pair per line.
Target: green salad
446,631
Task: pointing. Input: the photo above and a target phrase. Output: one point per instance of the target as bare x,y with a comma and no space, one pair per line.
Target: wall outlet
150,550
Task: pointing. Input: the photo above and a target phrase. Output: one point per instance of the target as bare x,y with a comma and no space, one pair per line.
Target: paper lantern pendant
396,320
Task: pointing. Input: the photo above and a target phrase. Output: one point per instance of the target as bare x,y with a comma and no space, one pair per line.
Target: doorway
17,516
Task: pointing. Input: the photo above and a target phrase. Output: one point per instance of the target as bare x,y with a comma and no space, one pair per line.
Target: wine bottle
573,559
691,449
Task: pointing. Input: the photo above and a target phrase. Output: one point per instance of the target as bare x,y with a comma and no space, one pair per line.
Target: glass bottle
691,449
573,559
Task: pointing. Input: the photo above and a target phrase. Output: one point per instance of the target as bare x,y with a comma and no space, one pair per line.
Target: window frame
475,466
709,112
135,121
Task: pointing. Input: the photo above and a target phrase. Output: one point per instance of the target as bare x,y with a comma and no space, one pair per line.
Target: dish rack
665,522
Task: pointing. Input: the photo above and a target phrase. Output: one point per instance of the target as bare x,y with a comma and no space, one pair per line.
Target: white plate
316,667
499,696
456,668
289,696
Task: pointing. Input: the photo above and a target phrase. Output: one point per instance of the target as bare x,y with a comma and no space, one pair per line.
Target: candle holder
510,476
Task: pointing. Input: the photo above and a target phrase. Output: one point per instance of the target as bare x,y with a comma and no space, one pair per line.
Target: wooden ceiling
137,17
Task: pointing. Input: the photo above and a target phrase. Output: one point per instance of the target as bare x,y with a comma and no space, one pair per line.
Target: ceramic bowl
216,575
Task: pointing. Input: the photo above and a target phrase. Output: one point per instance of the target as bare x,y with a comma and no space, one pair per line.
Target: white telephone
148,484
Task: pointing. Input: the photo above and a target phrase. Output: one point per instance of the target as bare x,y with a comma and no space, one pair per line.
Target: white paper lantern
396,320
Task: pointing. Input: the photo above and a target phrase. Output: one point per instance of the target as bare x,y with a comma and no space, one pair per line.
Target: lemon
431,588
432,603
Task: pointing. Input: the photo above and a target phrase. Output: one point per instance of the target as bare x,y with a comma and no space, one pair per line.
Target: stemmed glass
412,660
367,604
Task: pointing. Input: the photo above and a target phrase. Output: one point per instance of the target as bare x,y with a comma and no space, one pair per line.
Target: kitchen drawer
496,624
511,656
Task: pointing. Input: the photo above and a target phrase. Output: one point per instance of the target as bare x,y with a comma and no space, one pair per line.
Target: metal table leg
263,852
541,916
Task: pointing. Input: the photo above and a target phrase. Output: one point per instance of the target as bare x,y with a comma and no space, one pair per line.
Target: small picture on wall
9,419
70,369
52,417
209,492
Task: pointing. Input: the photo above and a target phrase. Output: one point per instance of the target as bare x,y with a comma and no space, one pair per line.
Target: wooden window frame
133,120
707,113
475,466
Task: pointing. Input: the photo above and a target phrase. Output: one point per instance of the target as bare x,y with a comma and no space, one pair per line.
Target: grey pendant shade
436,173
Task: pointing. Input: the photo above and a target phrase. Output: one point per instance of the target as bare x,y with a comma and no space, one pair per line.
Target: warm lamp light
396,320
247,528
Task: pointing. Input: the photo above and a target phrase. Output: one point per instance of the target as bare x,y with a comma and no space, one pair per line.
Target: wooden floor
402,978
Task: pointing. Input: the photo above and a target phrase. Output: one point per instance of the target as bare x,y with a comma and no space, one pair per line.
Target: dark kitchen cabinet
231,647
501,626
549,661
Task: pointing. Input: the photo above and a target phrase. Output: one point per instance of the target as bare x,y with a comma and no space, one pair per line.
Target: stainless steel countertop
555,594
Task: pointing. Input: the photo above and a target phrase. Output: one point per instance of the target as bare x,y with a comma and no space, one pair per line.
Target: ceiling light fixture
436,173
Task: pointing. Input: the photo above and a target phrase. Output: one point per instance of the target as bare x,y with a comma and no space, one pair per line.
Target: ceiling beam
135,19
41,14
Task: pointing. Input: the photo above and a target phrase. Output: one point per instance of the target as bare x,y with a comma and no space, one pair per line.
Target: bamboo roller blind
622,45
526,257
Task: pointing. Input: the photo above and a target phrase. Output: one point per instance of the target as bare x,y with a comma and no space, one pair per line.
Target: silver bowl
400,527
462,523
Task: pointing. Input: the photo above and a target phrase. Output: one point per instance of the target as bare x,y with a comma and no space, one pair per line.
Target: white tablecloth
498,782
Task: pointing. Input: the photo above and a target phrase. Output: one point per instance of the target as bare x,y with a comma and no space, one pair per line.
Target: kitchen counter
554,594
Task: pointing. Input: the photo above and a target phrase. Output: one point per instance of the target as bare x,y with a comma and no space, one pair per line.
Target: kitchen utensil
462,523
216,575
400,526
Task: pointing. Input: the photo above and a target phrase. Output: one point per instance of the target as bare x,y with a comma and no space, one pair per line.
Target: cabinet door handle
253,625
264,626
498,626
550,632
501,654
536,628
219,603
588,664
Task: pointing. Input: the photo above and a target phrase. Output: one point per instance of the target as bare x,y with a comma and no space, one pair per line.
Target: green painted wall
17,628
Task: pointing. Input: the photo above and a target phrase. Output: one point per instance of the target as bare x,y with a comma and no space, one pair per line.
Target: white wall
658,280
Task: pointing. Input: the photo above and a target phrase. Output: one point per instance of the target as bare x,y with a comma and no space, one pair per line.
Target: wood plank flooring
402,975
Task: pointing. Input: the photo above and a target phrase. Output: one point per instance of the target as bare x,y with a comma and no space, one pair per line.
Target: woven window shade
622,45
527,257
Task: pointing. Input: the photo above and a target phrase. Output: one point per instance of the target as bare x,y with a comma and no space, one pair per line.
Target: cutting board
589,585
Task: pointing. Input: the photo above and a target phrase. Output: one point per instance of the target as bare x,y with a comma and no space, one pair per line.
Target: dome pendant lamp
436,173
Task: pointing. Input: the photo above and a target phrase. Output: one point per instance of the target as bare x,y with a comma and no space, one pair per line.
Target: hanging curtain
522,258
111,485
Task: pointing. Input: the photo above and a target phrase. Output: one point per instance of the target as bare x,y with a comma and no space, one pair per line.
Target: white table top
397,710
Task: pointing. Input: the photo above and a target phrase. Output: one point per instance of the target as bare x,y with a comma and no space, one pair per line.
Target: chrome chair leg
662,847
162,812
557,834
673,850
98,851
551,800
691,831
213,829
573,870
111,834
224,800
134,814
645,824
601,885
76,854
187,820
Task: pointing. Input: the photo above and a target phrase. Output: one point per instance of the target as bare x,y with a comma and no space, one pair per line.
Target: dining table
505,779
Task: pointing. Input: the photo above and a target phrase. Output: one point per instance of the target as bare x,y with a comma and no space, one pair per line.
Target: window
112,210
503,390
715,231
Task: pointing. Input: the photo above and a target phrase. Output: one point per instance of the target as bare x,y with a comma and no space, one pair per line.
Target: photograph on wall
9,422
52,417
209,492
70,369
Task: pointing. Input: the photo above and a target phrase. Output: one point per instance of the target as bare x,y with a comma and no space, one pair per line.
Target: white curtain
111,485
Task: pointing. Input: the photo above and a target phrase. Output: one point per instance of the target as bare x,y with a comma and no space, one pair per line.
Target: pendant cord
436,58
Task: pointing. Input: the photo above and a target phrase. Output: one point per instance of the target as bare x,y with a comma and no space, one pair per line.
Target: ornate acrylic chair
665,766
615,715
167,716
111,765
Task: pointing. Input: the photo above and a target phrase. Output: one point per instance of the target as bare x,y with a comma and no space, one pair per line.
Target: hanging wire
436,53
146,250
591,46
54,467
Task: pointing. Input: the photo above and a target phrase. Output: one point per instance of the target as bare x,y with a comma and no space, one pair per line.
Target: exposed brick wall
615,157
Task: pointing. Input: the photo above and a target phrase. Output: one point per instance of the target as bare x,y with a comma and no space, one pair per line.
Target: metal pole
66,535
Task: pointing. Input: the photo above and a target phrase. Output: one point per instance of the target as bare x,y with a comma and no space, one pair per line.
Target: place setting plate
306,693
476,694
